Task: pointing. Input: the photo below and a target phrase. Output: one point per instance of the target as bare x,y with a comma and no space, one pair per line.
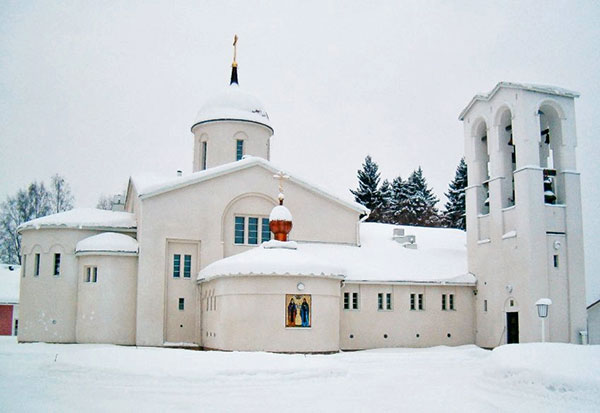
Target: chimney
118,203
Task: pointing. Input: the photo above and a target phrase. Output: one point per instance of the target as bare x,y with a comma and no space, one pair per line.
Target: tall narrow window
412,302
24,269
176,265
451,301
443,301
380,301
355,301
555,260
88,275
181,304
187,266
36,268
204,147
239,230
252,230
420,301
239,149
265,231
388,301
56,264
485,305
95,274
346,301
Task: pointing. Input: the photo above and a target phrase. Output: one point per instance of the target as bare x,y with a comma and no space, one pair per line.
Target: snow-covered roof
83,218
107,243
233,104
9,283
550,90
147,188
440,257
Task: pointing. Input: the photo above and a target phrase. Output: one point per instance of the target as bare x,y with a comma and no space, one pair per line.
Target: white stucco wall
203,213
106,308
250,314
511,249
405,327
221,137
593,318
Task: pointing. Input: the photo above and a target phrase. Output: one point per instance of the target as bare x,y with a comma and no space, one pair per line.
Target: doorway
512,327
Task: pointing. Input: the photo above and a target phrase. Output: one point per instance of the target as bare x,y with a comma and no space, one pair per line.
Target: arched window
550,143
482,166
508,157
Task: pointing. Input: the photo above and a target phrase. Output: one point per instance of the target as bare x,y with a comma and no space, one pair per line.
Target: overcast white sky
97,91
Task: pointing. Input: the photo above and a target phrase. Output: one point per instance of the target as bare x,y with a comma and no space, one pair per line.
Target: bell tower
523,207
230,125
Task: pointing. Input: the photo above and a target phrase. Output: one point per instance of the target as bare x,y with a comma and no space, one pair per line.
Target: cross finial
235,39
281,176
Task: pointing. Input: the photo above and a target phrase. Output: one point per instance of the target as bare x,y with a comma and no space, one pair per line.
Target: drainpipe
363,219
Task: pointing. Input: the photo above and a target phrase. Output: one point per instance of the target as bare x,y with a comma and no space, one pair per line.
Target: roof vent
407,241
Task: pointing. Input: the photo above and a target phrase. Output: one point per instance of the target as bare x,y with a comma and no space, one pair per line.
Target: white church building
212,260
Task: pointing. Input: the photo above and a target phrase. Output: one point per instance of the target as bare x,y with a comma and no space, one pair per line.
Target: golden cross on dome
281,176
235,39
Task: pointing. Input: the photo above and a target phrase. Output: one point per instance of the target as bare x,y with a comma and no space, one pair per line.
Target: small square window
346,301
181,304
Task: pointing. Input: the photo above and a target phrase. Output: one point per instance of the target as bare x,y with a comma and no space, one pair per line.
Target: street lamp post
542,309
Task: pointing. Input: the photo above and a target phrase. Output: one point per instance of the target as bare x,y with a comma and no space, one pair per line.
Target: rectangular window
239,149
412,302
252,231
355,301
187,266
56,264
346,301
181,304
36,268
451,301
443,301
266,232
24,269
485,305
388,301
380,301
420,301
94,274
556,261
239,229
204,147
88,274
176,265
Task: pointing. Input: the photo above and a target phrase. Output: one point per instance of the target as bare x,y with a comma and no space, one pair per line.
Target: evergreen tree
399,202
420,209
454,214
367,193
386,194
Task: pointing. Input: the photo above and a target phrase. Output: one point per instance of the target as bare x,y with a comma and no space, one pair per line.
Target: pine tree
454,214
420,209
367,193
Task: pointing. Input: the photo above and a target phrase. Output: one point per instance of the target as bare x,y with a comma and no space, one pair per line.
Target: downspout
363,219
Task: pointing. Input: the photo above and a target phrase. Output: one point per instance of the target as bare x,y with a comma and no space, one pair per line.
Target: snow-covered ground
80,377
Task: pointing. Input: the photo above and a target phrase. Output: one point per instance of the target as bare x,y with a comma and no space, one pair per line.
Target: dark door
512,327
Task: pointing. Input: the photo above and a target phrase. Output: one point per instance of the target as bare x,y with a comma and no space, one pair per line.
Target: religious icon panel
298,309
